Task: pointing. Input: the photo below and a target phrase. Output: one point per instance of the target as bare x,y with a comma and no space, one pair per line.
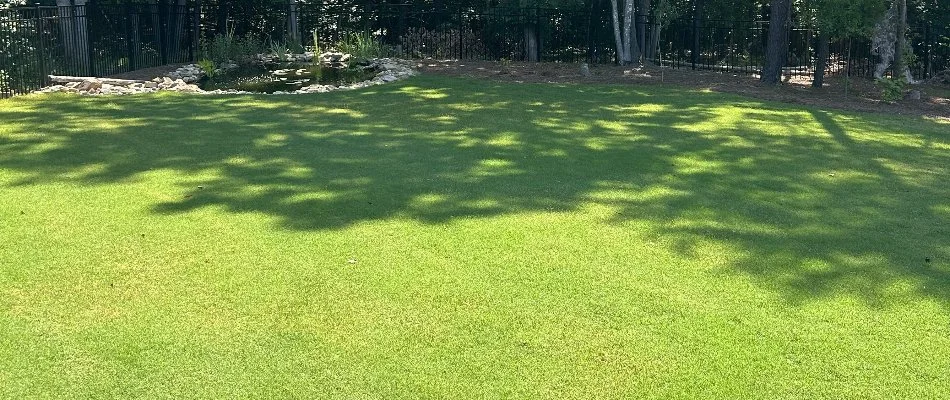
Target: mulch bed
147,74
862,94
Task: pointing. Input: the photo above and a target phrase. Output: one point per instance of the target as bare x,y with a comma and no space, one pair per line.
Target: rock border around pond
184,80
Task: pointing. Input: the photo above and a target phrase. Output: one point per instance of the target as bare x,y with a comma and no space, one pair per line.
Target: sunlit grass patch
457,238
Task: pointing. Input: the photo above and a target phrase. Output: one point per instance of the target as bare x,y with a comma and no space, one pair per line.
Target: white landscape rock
190,73
333,59
183,80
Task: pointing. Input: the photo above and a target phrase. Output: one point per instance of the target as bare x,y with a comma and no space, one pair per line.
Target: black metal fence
739,46
92,40
100,38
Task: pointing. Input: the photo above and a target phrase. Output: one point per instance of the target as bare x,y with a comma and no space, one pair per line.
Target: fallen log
109,81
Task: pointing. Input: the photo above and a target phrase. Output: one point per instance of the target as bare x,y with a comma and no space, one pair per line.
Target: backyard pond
286,77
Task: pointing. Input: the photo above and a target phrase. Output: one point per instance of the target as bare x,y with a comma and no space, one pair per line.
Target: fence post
195,46
162,10
847,75
590,30
538,48
130,47
694,53
39,38
71,40
694,56
88,12
928,45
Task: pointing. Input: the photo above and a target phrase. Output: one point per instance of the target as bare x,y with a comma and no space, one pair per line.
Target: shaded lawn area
452,238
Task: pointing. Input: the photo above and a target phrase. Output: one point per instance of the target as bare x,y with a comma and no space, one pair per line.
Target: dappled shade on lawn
705,200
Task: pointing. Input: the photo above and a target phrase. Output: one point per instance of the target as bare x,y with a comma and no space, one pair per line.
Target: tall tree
293,22
627,49
633,52
776,51
900,64
531,40
643,8
664,11
622,55
839,20
821,62
698,16
888,42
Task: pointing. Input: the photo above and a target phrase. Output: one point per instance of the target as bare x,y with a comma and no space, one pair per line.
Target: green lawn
443,238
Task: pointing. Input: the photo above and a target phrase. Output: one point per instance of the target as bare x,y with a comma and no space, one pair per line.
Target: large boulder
332,59
89,86
942,77
190,73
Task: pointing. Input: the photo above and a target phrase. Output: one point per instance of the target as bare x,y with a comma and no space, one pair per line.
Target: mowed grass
443,238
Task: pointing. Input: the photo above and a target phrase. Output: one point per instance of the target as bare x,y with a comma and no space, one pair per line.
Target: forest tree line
633,23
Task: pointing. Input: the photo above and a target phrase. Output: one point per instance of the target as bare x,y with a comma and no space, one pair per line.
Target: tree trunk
223,16
530,31
629,41
698,6
621,50
531,43
293,22
656,28
776,51
642,9
900,64
822,61
655,31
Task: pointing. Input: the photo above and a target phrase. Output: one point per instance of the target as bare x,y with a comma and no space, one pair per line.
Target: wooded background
104,37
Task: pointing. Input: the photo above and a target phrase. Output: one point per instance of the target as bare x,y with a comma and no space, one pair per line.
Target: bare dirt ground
147,74
862,94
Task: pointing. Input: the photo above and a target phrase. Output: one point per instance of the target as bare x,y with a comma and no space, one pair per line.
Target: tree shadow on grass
817,207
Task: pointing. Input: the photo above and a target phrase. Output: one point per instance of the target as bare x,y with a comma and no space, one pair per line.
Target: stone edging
182,80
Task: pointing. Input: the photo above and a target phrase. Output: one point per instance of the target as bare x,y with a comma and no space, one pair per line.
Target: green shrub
282,50
316,43
224,48
442,43
296,47
892,89
279,50
362,46
208,67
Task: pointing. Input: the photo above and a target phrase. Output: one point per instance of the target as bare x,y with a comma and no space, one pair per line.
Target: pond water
284,77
